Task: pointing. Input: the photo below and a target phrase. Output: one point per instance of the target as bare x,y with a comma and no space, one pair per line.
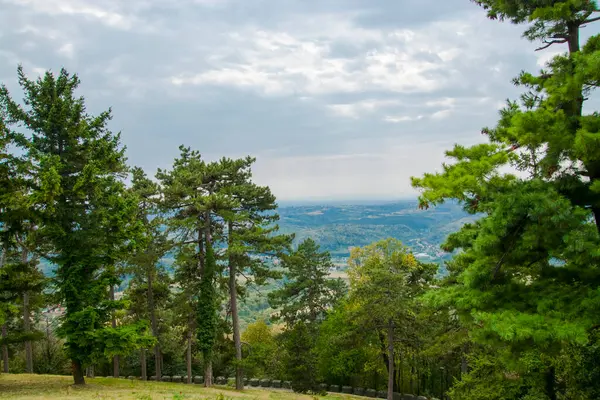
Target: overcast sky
337,99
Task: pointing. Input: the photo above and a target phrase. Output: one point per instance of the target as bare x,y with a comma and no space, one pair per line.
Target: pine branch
36,252
510,247
252,287
550,43
587,21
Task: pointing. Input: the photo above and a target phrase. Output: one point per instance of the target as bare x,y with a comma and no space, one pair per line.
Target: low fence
278,384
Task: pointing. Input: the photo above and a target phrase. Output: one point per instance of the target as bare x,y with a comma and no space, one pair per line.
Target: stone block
421,398
409,397
371,393
254,382
276,384
324,387
347,389
286,384
358,391
334,388
152,378
166,378
131,377
265,383
246,381
198,380
176,378
381,394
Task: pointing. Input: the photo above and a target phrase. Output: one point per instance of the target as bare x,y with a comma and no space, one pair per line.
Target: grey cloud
408,13
130,68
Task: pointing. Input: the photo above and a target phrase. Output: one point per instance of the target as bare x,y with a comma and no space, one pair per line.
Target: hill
338,228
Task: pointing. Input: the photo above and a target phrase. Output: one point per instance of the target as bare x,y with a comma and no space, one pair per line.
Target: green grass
38,387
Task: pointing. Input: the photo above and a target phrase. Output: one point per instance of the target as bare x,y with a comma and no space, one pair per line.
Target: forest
517,316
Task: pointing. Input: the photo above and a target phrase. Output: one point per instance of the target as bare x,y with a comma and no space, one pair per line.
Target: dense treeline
517,316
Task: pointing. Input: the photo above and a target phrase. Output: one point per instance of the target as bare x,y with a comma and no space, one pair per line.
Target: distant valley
338,228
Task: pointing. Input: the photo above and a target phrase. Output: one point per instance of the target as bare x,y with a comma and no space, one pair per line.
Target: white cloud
67,50
442,102
401,118
441,114
543,57
106,12
384,174
303,59
358,109
349,101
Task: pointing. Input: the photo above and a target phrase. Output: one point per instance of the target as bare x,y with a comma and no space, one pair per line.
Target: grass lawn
38,387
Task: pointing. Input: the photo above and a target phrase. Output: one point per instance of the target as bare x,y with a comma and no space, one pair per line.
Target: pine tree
528,268
252,240
150,282
194,192
308,292
86,215
22,283
303,302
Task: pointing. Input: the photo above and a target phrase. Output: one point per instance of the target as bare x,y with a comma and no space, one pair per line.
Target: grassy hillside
39,387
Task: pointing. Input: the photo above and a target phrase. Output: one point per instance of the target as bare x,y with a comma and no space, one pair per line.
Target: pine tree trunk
4,330
143,365
573,37
235,320
464,367
200,252
412,373
114,325
154,323
5,349
550,377
189,357
78,377
116,366
160,354
27,322
390,338
208,378
27,329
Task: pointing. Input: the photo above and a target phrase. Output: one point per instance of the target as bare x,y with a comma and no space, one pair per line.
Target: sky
337,99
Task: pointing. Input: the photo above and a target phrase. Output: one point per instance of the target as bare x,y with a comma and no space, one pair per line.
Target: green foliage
550,20
524,281
300,359
261,358
384,279
207,305
346,351
307,292
87,217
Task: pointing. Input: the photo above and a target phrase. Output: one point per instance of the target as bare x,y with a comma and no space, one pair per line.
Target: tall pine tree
86,215
525,281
